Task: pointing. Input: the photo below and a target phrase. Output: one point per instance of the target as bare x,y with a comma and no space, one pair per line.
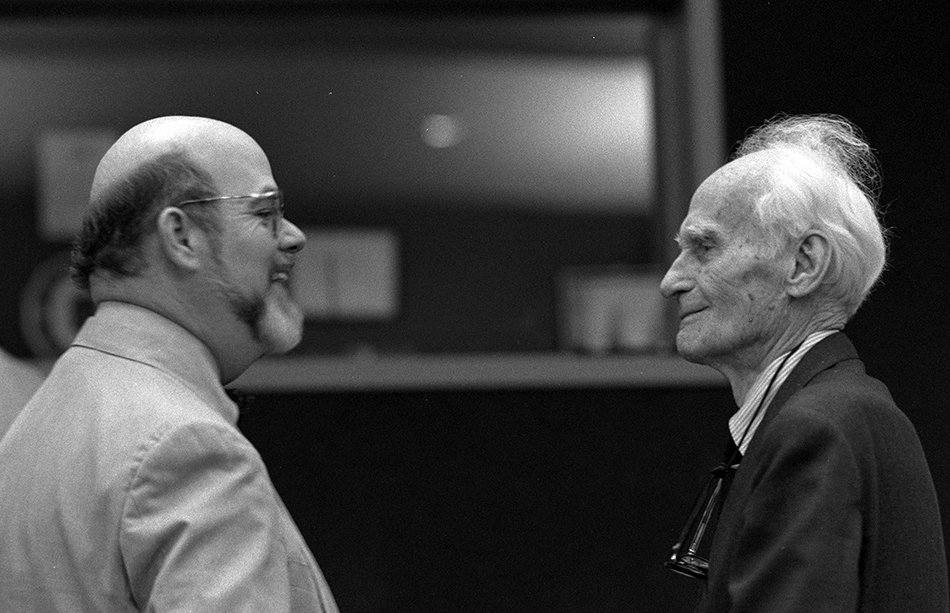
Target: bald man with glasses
126,483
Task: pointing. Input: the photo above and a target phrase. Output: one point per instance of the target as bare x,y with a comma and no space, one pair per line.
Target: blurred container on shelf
611,309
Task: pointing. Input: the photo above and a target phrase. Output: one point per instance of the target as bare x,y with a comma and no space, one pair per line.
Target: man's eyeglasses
272,205
691,553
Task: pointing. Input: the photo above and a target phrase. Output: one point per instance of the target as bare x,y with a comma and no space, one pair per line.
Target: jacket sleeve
200,529
799,542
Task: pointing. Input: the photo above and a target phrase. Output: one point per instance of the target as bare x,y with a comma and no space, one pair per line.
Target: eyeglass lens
271,205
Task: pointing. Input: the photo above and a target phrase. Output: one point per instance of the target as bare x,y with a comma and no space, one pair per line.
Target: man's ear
180,239
812,259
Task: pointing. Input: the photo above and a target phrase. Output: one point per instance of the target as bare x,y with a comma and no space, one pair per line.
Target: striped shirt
746,420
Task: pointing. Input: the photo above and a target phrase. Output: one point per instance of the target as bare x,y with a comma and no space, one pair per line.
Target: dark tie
731,453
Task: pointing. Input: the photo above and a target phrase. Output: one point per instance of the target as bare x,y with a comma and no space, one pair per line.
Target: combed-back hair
112,232
825,177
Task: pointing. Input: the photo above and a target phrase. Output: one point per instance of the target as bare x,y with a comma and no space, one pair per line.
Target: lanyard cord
737,455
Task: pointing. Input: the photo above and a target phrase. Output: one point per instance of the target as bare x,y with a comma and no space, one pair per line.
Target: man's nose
674,282
291,237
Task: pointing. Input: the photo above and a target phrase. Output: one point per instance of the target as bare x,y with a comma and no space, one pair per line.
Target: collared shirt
128,487
746,420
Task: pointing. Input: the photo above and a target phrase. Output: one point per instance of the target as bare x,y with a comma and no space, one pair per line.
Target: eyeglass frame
686,558
275,194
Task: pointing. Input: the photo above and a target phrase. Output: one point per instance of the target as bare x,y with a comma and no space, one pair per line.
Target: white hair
823,175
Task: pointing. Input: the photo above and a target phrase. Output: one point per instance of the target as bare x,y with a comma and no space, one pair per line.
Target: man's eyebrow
696,234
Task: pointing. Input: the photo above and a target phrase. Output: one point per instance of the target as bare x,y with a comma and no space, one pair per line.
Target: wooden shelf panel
472,371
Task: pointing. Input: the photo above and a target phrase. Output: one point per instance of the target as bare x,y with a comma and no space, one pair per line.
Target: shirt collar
144,336
745,421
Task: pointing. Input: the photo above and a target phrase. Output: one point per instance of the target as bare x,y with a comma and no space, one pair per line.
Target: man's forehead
725,201
713,215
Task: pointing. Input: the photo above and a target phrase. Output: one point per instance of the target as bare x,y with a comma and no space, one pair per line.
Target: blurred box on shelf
348,274
611,309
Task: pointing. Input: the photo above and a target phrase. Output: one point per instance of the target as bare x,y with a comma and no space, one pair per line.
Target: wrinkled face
730,291
254,253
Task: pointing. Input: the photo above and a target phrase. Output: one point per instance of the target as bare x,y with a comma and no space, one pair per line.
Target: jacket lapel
821,357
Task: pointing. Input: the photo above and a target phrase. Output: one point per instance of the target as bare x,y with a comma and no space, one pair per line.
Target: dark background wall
533,500
553,501
544,500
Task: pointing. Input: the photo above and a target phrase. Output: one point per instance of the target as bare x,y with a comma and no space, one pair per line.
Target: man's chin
282,344
690,350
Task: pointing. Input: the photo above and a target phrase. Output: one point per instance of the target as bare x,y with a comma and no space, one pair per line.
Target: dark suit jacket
833,507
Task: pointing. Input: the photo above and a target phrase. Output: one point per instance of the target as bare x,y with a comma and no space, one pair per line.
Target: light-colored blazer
128,487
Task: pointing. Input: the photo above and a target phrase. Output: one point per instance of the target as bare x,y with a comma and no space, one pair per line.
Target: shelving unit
498,291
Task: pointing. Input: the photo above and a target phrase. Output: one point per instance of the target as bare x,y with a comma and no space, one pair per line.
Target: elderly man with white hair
825,501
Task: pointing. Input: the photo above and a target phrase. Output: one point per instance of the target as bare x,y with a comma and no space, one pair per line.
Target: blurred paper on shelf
66,161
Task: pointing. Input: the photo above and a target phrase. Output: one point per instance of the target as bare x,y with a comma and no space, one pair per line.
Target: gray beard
249,309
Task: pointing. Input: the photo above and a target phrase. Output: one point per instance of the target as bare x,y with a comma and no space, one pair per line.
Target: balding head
209,143
156,164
